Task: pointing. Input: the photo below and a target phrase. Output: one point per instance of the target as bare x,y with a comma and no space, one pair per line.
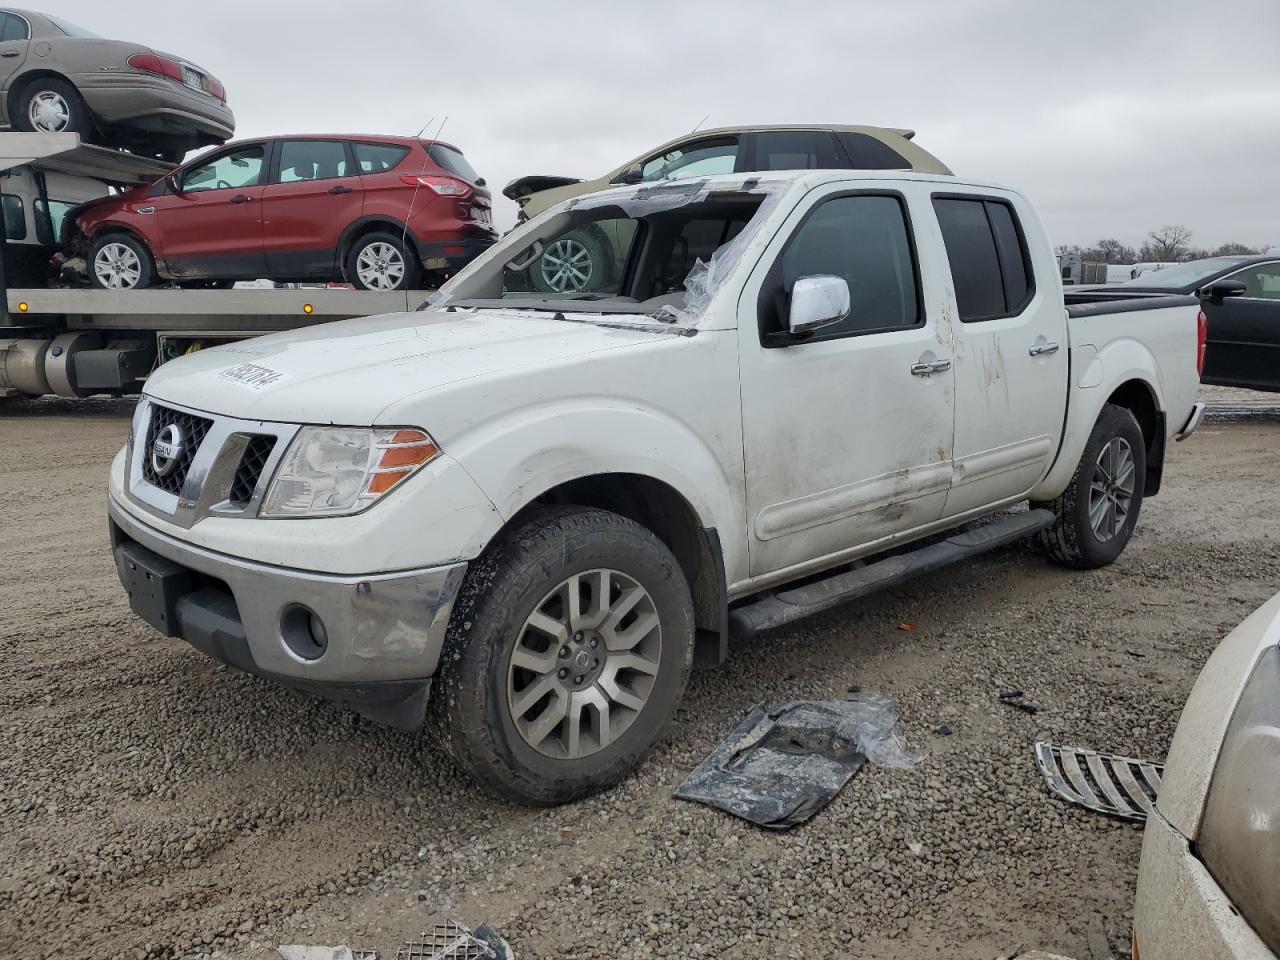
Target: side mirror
171,181
632,175
480,181
1219,290
817,302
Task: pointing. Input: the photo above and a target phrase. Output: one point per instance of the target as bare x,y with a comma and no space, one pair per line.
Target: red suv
383,213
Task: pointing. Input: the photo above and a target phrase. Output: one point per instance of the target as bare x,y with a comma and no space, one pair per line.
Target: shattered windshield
656,251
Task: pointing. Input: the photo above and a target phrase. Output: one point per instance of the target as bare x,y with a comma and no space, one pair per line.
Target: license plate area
154,584
193,79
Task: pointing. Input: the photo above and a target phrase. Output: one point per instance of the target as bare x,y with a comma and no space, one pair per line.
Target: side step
788,605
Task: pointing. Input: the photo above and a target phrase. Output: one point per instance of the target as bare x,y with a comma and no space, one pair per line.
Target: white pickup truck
792,388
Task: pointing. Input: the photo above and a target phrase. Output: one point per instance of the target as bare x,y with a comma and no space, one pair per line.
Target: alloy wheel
48,112
584,664
380,266
566,266
117,266
1111,489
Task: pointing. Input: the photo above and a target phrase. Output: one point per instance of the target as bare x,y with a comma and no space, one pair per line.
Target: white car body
797,459
1181,909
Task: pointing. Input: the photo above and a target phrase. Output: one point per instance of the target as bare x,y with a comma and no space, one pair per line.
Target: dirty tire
146,265
77,118
501,590
1072,541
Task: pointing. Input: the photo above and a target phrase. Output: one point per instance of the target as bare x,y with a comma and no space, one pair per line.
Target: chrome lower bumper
386,627
1193,421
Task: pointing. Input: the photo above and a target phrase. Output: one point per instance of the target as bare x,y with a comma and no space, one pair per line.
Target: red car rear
383,213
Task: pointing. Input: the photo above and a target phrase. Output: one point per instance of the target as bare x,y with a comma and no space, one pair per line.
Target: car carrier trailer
78,341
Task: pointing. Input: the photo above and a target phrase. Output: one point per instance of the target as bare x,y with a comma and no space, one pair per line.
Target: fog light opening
304,632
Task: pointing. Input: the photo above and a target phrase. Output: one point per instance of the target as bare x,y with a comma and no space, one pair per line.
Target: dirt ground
155,804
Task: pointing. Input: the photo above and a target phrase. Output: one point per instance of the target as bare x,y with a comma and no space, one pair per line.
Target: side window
15,217
50,217
865,240
1261,281
702,159
239,168
312,160
13,28
868,153
990,267
378,157
788,150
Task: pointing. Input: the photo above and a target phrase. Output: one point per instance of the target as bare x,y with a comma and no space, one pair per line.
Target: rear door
212,228
1010,348
313,195
15,37
1244,331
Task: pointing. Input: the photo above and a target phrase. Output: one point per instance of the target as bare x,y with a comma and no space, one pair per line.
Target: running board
788,605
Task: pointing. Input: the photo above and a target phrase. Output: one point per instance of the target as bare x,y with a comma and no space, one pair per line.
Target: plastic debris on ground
453,941
1017,700
1117,786
295,951
784,763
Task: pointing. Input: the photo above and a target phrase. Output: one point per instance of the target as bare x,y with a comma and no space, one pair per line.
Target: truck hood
351,371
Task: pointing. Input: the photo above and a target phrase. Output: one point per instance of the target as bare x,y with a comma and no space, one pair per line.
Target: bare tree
1110,250
1235,250
1168,243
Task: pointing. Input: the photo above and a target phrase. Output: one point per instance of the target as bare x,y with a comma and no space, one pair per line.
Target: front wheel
118,261
568,651
1097,512
381,261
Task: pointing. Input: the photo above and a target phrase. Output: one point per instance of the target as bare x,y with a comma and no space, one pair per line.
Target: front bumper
383,632
1180,910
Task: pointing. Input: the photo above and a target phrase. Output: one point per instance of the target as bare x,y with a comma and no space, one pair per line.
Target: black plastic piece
114,368
155,586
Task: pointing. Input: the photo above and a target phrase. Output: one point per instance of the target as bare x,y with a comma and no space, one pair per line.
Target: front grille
191,433
249,472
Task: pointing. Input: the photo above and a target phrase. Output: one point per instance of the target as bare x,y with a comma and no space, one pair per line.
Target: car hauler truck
78,341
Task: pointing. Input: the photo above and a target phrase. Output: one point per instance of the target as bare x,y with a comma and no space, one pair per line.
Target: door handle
339,189
9,53
1043,349
241,198
923,369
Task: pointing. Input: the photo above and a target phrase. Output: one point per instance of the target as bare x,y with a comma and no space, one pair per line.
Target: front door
313,196
1244,331
847,436
1010,350
212,228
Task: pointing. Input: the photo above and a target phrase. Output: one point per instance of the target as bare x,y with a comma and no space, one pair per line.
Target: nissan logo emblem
166,450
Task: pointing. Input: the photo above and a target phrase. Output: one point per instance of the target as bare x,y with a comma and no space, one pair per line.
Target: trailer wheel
1097,512
568,650
117,261
51,105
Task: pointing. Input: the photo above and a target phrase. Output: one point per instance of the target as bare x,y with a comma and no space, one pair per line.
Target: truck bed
1097,301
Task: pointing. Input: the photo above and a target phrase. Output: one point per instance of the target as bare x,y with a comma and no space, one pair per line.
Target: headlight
1240,834
334,471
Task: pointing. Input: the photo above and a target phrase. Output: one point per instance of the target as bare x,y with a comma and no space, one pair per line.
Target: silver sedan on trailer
56,77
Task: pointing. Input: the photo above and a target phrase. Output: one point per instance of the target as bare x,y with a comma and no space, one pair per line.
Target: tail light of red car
161,66
1202,342
444,186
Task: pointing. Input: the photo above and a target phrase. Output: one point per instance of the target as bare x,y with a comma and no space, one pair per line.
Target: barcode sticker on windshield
253,376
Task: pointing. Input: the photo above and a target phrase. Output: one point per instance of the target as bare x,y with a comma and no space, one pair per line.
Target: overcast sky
1115,116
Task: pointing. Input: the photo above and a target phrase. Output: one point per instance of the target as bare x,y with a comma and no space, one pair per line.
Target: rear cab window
990,266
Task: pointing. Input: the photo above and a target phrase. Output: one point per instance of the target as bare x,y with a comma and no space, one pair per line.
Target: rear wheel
381,261
568,650
118,261
1098,511
51,105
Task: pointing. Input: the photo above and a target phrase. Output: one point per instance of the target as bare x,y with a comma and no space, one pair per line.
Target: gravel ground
157,805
